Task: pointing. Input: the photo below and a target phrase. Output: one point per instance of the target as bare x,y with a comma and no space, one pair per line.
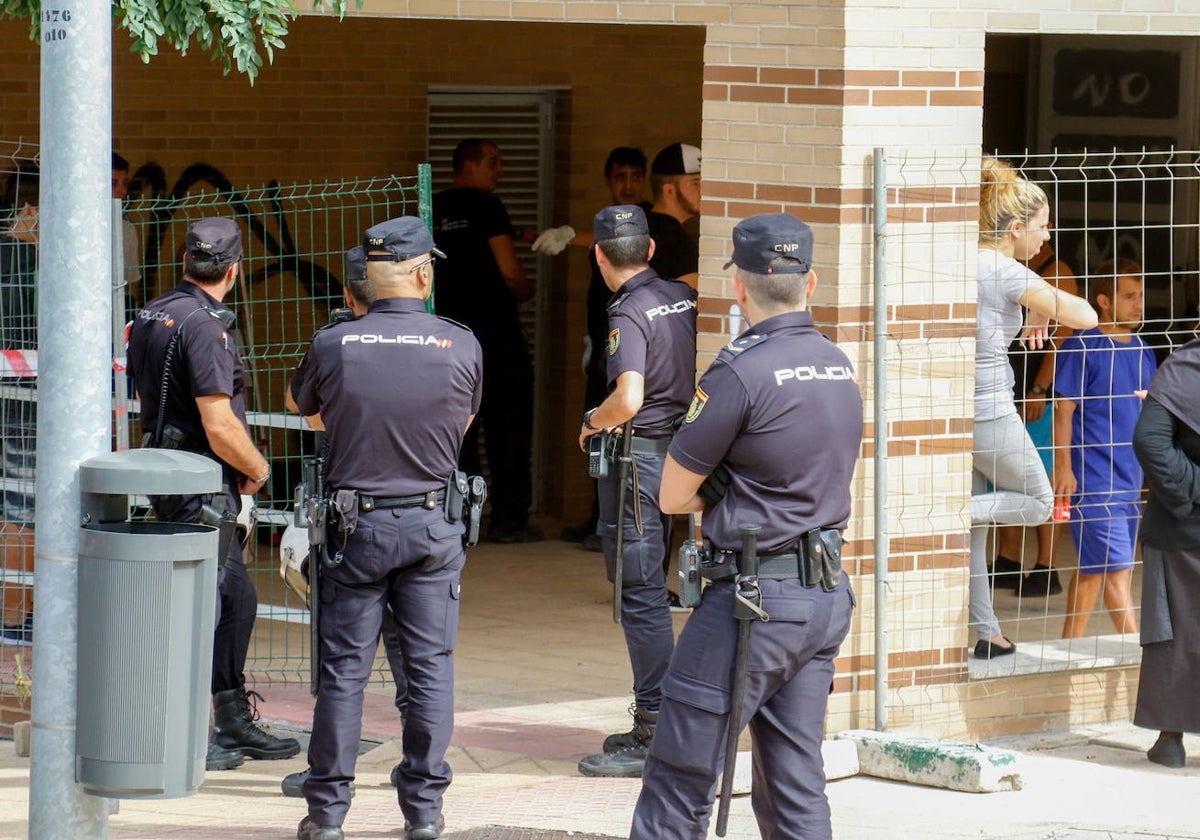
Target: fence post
879,278
425,211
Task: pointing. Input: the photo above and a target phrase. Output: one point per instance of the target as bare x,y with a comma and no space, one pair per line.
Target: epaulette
227,317
452,321
618,300
334,323
745,342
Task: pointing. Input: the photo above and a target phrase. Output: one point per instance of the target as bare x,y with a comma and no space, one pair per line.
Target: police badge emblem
614,341
698,403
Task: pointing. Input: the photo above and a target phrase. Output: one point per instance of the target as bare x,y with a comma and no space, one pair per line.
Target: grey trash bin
147,602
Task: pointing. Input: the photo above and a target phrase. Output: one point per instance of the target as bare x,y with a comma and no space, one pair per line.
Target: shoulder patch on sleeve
614,341
698,403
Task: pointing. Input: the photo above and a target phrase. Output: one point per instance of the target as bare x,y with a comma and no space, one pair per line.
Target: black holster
456,496
476,496
225,521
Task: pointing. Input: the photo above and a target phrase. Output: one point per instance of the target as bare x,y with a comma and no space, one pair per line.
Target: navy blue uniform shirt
781,409
652,331
394,389
207,361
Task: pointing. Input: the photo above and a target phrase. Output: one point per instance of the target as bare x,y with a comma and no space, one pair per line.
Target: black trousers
506,415
237,607
237,600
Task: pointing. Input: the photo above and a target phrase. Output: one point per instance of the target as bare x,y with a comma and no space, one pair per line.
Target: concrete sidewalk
542,675
1094,784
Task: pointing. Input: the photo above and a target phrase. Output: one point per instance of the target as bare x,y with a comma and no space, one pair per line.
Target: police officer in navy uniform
651,368
776,423
205,412
359,297
392,543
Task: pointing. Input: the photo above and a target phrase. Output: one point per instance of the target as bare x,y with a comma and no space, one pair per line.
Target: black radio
599,455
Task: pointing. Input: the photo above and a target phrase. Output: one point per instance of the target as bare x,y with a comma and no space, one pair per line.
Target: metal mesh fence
294,237
1056,491
1141,206
18,392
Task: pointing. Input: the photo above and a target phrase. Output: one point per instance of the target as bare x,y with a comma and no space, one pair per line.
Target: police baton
624,460
747,608
311,513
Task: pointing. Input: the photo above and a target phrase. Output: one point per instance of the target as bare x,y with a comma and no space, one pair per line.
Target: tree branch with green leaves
235,32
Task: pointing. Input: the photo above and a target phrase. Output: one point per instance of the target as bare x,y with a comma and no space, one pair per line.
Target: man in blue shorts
1101,378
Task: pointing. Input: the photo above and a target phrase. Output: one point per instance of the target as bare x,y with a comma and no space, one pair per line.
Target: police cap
356,265
772,243
619,221
403,238
215,240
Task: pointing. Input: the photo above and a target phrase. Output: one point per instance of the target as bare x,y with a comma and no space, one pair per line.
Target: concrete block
972,768
841,760
22,732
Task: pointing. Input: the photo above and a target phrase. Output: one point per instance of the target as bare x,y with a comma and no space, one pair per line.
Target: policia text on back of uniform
396,539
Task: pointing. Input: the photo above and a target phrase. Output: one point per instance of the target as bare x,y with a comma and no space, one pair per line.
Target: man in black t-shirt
675,181
481,285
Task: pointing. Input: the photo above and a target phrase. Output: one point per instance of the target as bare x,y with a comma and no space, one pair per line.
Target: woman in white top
1014,219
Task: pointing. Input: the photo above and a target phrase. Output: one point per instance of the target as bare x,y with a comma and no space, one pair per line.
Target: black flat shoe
985,649
1006,574
1041,581
1168,751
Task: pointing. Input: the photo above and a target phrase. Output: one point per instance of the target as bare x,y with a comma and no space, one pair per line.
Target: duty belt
428,500
805,564
649,446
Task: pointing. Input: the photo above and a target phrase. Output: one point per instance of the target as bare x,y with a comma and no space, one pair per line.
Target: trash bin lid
151,472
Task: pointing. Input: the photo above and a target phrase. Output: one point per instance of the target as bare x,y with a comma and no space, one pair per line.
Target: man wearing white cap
675,182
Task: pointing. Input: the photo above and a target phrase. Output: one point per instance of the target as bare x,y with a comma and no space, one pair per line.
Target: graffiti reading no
1142,84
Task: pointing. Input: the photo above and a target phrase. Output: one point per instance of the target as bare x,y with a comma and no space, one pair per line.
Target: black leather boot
293,784
431,830
234,727
219,758
629,757
644,722
309,830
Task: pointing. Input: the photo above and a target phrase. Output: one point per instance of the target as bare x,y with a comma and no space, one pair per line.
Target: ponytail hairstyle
1004,198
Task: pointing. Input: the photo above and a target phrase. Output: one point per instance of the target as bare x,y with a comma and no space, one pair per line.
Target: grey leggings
1021,495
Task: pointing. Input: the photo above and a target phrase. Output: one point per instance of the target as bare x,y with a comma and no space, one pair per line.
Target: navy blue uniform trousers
789,675
645,611
410,559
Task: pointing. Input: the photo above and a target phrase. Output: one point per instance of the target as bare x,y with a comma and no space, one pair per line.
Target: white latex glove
552,241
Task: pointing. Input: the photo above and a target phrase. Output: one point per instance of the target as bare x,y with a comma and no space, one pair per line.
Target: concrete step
972,768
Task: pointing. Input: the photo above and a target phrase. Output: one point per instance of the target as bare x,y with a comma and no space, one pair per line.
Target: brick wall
348,100
789,101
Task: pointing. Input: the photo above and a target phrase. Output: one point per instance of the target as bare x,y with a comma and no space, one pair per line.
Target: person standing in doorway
481,284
